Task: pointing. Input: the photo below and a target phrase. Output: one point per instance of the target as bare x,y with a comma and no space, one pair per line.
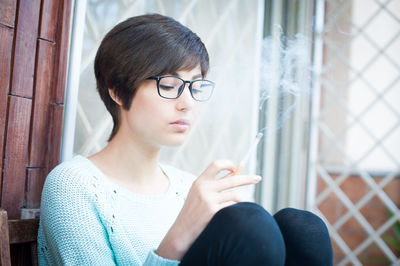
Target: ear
114,97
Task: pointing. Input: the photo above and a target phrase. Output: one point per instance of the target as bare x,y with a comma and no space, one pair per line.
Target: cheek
145,110
197,109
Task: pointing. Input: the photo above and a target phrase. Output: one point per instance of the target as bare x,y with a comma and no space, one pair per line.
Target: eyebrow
197,76
193,78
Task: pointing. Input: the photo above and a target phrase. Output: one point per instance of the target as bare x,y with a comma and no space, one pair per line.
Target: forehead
193,73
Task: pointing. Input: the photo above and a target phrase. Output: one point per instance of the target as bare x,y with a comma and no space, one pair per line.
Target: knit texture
87,219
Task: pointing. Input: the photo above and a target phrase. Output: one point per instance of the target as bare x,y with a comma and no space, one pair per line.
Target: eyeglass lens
171,87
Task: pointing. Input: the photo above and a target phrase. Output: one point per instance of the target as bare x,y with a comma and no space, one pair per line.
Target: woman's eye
195,91
166,87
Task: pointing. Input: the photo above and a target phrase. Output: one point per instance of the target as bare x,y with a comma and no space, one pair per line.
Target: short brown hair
141,47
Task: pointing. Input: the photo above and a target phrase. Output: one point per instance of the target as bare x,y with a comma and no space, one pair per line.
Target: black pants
246,234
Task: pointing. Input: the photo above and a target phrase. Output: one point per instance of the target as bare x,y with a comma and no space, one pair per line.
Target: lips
181,122
181,125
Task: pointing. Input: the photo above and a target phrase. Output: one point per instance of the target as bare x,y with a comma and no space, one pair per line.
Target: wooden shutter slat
16,155
25,48
7,12
34,185
40,119
48,23
6,37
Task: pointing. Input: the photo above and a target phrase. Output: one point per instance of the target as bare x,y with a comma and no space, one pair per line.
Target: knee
306,237
245,214
291,218
240,208
250,224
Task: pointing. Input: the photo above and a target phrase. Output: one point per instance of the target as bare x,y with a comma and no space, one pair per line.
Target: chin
175,141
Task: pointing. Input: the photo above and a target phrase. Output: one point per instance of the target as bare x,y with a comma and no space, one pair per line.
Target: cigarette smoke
282,73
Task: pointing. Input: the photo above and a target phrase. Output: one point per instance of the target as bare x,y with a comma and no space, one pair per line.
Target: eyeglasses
171,87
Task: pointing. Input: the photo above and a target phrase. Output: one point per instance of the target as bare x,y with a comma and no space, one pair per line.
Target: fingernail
257,178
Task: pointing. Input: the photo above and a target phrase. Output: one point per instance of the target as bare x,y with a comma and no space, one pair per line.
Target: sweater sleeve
153,259
71,228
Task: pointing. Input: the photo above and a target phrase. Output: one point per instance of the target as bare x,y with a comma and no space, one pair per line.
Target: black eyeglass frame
158,78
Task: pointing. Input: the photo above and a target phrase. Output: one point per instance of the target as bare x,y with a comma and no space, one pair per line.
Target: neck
130,160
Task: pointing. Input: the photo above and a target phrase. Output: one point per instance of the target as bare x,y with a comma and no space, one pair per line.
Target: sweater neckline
128,192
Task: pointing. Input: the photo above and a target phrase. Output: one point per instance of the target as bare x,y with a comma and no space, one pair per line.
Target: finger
217,166
227,196
236,171
236,181
228,174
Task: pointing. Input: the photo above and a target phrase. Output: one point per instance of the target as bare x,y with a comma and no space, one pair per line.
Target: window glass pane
232,33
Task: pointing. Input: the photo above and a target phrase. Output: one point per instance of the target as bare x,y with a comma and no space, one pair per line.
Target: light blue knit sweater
86,219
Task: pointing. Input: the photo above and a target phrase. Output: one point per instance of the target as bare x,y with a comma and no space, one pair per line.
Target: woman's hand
205,198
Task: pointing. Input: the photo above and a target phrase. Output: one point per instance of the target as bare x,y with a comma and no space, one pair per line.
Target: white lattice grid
369,51
232,33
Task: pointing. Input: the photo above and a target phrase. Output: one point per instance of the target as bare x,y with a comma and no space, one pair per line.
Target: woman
121,206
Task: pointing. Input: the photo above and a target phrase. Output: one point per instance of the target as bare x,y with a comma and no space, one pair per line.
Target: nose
185,100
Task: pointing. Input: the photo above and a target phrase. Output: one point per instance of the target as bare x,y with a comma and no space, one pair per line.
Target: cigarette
249,152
